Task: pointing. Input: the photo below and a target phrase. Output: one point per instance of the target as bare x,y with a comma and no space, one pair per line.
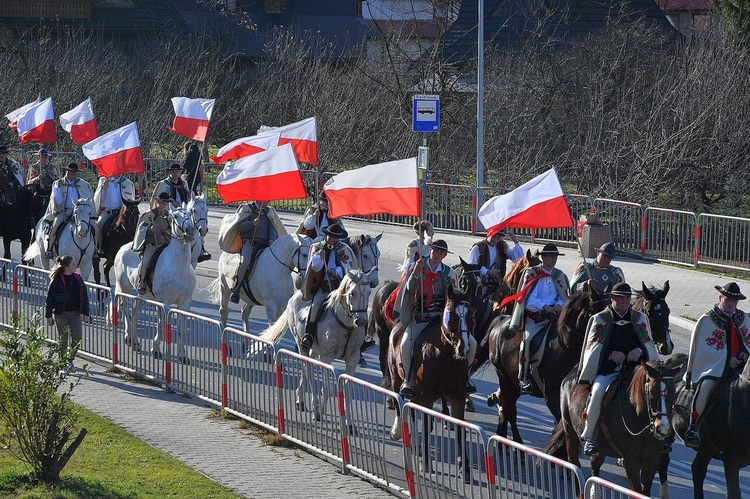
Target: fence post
697,251
644,232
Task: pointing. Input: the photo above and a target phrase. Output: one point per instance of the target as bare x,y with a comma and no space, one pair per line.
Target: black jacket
58,294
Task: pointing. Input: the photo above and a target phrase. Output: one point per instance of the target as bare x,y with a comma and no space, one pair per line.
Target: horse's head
652,389
128,218
576,313
354,290
456,332
82,215
513,276
367,253
199,210
183,227
471,286
652,303
7,190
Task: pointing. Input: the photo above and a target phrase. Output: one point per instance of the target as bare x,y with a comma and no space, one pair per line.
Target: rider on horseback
65,191
600,273
719,344
542,292
257,230
614,335
9,168
420,245
316,218
492,254
153,234
110,195
43,174
336,258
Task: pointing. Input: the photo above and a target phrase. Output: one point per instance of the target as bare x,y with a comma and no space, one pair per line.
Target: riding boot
307,340
235,296
407,387
523,371
142,289
692,436
470,388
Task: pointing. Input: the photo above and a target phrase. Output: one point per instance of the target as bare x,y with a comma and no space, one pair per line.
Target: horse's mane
356,243
513,276
637,388
573,307
347,285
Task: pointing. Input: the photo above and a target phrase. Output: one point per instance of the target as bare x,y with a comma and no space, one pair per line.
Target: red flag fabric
537,204
246,146
116,152
192,117
37,123
266,176
13,115
303,135
391,187
80,123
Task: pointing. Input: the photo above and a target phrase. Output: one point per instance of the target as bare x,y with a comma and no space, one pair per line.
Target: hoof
391,404
300,406
157,355
469,406
184,360
493,399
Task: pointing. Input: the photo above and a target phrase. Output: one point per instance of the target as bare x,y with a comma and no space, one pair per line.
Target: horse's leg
664,475
131,327
6,248
648,472
320,403
458,411
108,264
732,476
596,464
699,469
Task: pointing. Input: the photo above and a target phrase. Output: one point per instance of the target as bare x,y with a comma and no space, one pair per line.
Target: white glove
446,317
339,272
316,263
309,223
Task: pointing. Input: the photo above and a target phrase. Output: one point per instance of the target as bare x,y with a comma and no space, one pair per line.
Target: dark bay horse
724,429
119,232
635,422
16,218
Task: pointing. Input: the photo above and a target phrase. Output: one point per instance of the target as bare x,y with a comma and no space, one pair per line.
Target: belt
111,211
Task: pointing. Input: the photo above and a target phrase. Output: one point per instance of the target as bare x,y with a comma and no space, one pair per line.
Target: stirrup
692,438
526,386
49,255
307,341
470,388
234,298
589,448
407,389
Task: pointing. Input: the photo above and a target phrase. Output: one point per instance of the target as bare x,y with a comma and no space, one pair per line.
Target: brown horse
635,423
119,232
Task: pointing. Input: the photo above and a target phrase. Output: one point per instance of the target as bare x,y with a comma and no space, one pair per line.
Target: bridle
77,227
354,307
181,224
373,247
454,339
653,414
663,324
198,219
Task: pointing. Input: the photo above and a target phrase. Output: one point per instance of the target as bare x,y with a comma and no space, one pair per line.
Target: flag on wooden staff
116,152
246,146
80,123
303,135
37,123
192,117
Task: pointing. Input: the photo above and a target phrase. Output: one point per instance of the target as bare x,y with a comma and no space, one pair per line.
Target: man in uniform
65,191
542,292
256,231
492,254
153,234
111,193
614,335
43,173
175,187
601,273
316,218
334,258
719,344
9,168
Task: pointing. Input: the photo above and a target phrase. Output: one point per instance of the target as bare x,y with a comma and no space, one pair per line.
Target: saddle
259,248
536,350
148,277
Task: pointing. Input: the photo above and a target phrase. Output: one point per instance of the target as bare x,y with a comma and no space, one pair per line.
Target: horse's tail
214,290
32,252
277,329
557,445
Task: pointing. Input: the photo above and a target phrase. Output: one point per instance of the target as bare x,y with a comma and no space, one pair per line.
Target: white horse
271,281
341,329
199,210
76,239
173,279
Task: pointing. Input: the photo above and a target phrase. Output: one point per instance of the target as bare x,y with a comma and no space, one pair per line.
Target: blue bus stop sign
425,113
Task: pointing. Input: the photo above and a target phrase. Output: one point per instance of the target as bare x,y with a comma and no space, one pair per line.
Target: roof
685,5
509,23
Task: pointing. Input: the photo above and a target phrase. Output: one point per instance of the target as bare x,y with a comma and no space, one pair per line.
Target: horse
724,430
340,329
173,279
198,208
652,302
16,218
76,238
635,423
120,231
270,283
367,254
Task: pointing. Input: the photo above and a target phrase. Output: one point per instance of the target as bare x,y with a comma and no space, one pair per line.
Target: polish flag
192,117
13,115
79,122
391,187
116,152
537,204
246,146
37,123
266,176
303,135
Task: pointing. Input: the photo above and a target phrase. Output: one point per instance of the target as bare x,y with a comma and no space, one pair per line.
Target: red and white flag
80,123
537,204
303,135
13,115
391,187
246,146
192,117
116,152
266,176
37,123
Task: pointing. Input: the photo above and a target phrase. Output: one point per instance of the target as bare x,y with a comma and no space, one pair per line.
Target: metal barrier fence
598,488
445,456
21,157
670,235
518,471
98,334
625,219
366,447
450,206
30,291
136,322
724,241
308,414
7,295
250,378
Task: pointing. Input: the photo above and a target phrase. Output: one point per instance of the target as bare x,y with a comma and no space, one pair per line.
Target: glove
309,223
316,262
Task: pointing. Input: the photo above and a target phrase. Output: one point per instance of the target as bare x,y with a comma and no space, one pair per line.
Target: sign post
425,119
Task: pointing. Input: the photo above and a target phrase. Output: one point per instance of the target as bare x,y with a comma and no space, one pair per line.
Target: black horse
119,231
724,429
16,218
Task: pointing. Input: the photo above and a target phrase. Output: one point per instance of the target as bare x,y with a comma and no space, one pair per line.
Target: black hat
73,167
174,166
164,196
550,249
608,249
3,149
335,230
440,244
621,289
731,290
43,152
